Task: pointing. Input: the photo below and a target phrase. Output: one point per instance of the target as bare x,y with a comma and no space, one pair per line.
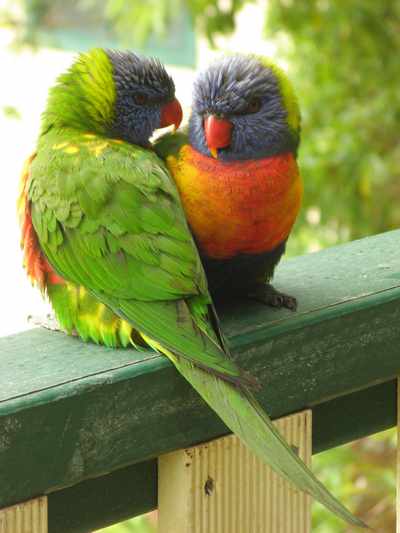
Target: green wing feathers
80,313
111,223
120,233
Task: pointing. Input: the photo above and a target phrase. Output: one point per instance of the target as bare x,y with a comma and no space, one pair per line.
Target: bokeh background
343,58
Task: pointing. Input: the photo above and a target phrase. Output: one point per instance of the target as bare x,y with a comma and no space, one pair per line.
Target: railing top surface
82,410
334,282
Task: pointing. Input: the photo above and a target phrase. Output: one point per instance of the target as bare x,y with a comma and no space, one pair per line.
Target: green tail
244,416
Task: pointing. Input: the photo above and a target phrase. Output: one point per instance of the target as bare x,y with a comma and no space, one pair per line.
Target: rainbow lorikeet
237,175
106,238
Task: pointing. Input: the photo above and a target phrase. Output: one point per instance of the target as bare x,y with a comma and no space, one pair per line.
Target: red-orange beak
218,132
171,113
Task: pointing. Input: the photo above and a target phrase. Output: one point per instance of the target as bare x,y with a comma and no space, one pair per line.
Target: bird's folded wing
113,223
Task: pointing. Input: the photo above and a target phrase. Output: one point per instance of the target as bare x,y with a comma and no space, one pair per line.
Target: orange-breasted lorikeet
106,238
237,174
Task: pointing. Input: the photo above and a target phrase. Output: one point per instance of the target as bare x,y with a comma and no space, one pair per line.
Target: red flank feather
38,268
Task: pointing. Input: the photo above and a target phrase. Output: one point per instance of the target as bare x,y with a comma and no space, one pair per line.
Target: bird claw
268,295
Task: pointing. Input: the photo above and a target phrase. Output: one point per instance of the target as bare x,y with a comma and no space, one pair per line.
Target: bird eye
140,98
254,105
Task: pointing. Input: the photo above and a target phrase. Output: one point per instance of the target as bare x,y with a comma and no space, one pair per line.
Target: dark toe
267,295
276,300
290,302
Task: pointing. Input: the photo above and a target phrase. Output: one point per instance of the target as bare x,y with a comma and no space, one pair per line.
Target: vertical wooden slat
221,487
26,517
398,459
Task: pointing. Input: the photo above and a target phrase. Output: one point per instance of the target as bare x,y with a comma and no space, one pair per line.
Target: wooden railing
85,425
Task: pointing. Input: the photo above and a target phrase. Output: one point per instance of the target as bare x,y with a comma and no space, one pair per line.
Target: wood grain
222,487
26,517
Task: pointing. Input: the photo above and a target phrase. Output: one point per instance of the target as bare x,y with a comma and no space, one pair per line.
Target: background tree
344,59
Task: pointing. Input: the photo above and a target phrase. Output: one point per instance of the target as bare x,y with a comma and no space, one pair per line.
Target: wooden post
221,487
26,517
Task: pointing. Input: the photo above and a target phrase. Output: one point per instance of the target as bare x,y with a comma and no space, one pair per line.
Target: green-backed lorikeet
105,236
237,175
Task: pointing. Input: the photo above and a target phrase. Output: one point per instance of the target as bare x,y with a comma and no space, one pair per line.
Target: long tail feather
241,412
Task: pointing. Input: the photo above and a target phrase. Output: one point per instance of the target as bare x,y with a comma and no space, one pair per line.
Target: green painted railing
85,424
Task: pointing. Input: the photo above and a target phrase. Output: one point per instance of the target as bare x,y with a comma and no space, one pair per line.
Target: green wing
109,218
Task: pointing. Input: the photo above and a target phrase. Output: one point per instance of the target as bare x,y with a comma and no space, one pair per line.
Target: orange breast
237,207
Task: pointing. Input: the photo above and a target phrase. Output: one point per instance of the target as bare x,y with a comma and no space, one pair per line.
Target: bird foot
267,295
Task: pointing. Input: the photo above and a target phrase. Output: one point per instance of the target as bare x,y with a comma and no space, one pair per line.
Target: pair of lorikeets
128,239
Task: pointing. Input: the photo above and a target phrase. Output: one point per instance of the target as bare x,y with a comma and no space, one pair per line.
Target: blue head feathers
143,88
253,97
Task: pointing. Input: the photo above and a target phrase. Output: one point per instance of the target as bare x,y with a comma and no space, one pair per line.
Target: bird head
113,93
145,97
244,107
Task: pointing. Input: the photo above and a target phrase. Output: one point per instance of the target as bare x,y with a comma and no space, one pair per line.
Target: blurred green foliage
156,16
344,62
78,25
12,112
129,17
141,524
362,474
